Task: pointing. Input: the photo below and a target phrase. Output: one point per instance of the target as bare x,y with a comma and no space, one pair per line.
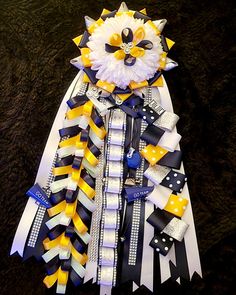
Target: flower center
127,47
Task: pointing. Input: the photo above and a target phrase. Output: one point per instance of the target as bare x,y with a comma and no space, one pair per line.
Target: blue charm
37,193
137,192
133,159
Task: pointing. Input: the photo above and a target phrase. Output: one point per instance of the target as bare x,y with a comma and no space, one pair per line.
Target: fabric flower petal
111,49
115,40
146,44
139,35
129,60
137,51
127,35
119,54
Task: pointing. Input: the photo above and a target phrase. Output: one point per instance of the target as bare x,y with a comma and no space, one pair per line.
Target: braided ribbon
72,196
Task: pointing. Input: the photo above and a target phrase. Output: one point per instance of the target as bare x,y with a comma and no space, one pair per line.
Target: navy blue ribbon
84,214
77,162
164,43
71,195
75,278
52,266
69,232
154,78
172,160
37,193
84,40
97,119
152,134
175,181
91,74
77,101
136,192
69,131
108,15
56,198
79,245
68,160
66,264
56,231
140,15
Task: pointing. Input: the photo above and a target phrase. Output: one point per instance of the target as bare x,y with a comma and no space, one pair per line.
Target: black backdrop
35,49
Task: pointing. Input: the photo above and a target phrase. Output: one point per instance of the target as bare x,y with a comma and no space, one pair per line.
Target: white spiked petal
170,64
123,7
88,21
160,24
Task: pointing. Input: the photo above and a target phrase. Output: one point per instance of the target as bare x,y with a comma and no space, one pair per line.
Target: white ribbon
58,219
106,275
115,153
167,121
113,185
115,169
66,151
109,238
84,237
110,219
170,140
156,173
50,254
116,137
58,185
159,196
112,201
78,268
61,289
107,256
84,200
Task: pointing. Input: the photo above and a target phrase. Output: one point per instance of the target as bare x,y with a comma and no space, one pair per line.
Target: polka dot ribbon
167,225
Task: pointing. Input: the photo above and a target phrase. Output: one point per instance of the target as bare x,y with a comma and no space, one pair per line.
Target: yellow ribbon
106,85
90,157
85,57
70,141
79,224
62,276
85,109
100,132
135,85
57,209
62,170
49,244
153,26
88,190
153,154
71,209
81,258
95,25
50,280
76,173
162,61
176,205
